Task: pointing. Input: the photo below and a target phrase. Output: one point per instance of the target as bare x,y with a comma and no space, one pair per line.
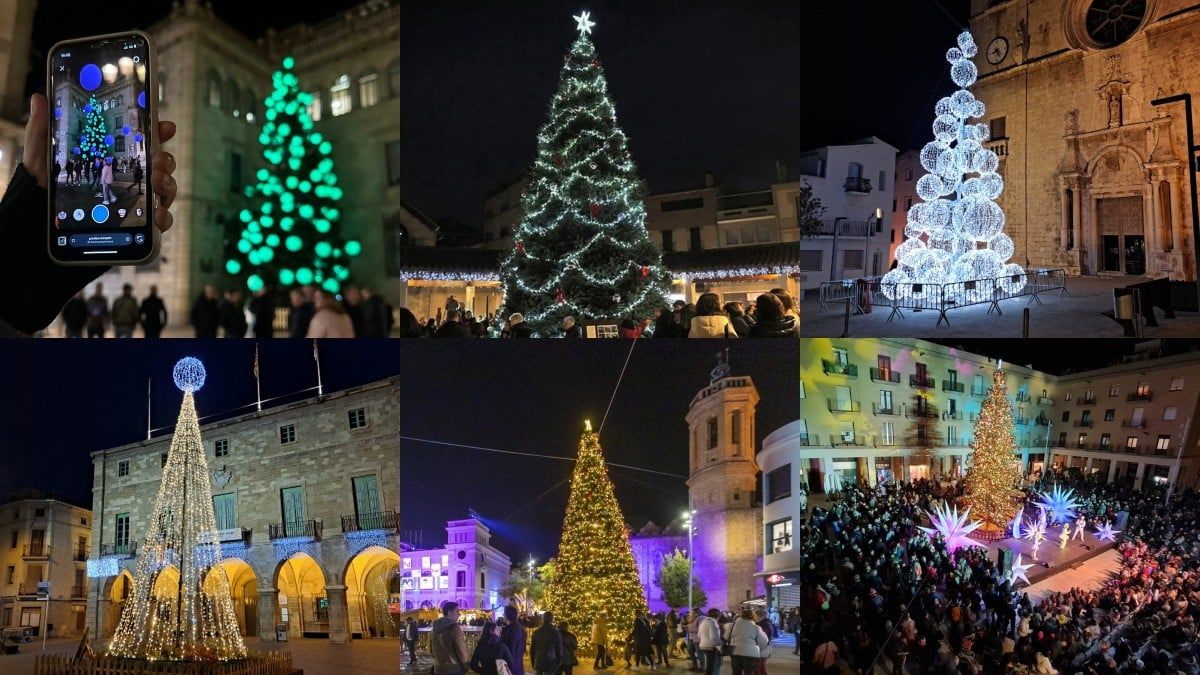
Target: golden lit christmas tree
595,574
172,613
993,477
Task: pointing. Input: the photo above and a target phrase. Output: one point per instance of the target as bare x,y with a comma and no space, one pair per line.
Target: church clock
997,50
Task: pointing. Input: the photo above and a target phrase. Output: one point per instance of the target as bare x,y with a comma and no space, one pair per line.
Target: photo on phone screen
100,197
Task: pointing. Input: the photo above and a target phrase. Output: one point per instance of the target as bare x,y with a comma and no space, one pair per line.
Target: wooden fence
263,663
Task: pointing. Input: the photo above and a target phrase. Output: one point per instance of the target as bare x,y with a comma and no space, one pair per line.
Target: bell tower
721,482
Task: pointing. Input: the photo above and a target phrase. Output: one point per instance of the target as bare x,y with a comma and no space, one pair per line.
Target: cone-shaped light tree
595,573
292,237
993,477
180,608
582,248
93,139
956,232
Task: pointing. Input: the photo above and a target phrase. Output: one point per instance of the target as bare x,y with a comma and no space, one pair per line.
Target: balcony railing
927,411
922,382
127,549
837,440
27,588
885,412
859,185
1024,421
811,440
973,417
1084,424
35,551
80,555
835,368
1133,423
303,528
878,375
1043,400
386,520
952,415
1042,421
844,406
1022,397
978,392
1086,401
957,387
1140,396
78,592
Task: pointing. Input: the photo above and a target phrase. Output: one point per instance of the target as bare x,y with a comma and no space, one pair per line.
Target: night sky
1065,356
698,85
876,69
68,398
535,399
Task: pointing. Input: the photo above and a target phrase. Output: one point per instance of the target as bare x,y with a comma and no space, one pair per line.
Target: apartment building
43,540
468,570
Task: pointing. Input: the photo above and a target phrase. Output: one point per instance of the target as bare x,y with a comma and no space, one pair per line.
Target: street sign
43,590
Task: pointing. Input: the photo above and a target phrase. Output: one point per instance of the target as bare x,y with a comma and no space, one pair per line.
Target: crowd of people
315,313
877,592
701,639
772,315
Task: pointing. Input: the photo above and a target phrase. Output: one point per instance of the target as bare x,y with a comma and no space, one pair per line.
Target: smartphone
103,135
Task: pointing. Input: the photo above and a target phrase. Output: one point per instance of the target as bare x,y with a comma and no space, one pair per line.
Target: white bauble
978,218
963,72
991,185
908,248
913,230
987,161
980,263
962,102
1002,244
982,132
928,267
969,187
966,44
929,155
964,155
947,164
936,214
945,128
894,284
943,107
917,212
929,187
978,109
951,185
954,54
1012,278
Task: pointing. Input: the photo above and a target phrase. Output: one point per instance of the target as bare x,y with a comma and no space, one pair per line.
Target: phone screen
100,196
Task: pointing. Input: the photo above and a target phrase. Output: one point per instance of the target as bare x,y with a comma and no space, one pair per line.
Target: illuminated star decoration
584,22
1015,523
1106,532
953,527
1060,503
1035,528
1018,571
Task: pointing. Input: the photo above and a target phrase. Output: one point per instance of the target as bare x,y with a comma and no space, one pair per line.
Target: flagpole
147,408
257,379
317,358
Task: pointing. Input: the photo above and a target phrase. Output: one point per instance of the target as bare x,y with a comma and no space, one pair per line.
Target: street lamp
1186,99
529,587
687,520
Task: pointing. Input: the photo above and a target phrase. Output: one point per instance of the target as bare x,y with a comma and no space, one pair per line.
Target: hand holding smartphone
103,135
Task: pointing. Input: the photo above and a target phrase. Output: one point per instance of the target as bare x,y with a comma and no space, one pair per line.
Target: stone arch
116,593
372,583
1116,209
302,602
1095,161
243,590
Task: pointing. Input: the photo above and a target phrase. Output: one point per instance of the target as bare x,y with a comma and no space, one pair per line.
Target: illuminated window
779,536
314,108
1169,413
1131,442
1177,383
1164,442
368,89
339,96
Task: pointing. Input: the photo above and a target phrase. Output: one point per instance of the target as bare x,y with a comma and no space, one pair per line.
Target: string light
582,246
104,567
993,477
364,539
595,573
956,232
191,619
286,547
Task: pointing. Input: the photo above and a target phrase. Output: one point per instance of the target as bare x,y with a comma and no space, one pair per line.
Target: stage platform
1051,559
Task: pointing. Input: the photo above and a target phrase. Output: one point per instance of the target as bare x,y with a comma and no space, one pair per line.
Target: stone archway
243,591
116,593
302,602
1120,223
372,582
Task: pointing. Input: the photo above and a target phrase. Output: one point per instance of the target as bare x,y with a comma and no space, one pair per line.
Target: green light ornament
253,257
273,240
267,206
246,216
252,227
271,115
323,249
287,207
306,211
315,139
331,285
322,225
353,247
284,129
287,277
267,221
263,174
286,223
254,283
305,187
233,266
336,193
266,254
331,179
341,273
304,276
294,164
288,62
326,148
244,246
293,243
255,238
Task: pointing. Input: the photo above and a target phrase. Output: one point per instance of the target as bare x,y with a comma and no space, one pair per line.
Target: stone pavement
1075,315
316,657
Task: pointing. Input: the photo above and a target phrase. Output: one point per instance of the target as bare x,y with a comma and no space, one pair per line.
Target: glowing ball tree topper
956,232
189,374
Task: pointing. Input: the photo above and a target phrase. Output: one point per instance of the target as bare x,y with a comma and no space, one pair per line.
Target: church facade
1095,173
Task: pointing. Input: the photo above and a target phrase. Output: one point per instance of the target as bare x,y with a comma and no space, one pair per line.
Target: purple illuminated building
467,570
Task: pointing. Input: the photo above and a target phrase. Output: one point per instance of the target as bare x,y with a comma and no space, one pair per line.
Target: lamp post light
687,520
529,587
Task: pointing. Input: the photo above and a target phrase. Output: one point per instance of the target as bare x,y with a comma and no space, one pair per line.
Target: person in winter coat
513,637
125,313
709,635
206,313
772,321
737,318
642,638
600,639
710,321
746,640
662,640
693,641
233,318
302,313
452,327
768,627
517,328
375,315
152,314
75,315
569,644
97,306
546,651
411,633
447,643
490,650
571,329
331,319
262,306
666,326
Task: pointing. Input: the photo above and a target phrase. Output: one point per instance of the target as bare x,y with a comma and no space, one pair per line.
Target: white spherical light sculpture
956,233
189,374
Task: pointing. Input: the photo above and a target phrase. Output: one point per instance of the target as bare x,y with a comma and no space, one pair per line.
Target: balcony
1023,421
957,387
1042,421
916,381
1022,397
27,588
386,520
78,592
860,186
1090,400
835,368
303,528
1146,395
884,412
124,550
810,440
1084,424
952,415
1136,423
978,392
926,411
35,551
80,555
1042,400
843,406
891,376
841,441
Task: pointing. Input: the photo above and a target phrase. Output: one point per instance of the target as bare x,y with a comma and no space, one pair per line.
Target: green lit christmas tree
94,141
292,236
582,248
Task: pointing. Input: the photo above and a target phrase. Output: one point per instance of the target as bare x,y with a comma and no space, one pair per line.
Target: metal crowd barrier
838,292
944,297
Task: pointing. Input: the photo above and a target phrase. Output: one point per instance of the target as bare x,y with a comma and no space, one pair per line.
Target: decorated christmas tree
180,607
956,233
993,477
292,236
582,248
595,574
94,141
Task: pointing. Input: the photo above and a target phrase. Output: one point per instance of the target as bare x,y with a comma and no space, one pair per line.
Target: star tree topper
1106,532
584,23
1018,571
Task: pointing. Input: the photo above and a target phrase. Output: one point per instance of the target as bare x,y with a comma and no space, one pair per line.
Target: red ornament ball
558,297
520,246
595,209
645,271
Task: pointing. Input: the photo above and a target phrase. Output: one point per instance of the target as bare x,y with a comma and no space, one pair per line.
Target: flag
256,361
315,358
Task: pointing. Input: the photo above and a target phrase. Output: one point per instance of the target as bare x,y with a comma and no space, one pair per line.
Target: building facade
16,24
779,460
649,544
306,498
854,183
44,540
908,172
1096,175
875,410
468,570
